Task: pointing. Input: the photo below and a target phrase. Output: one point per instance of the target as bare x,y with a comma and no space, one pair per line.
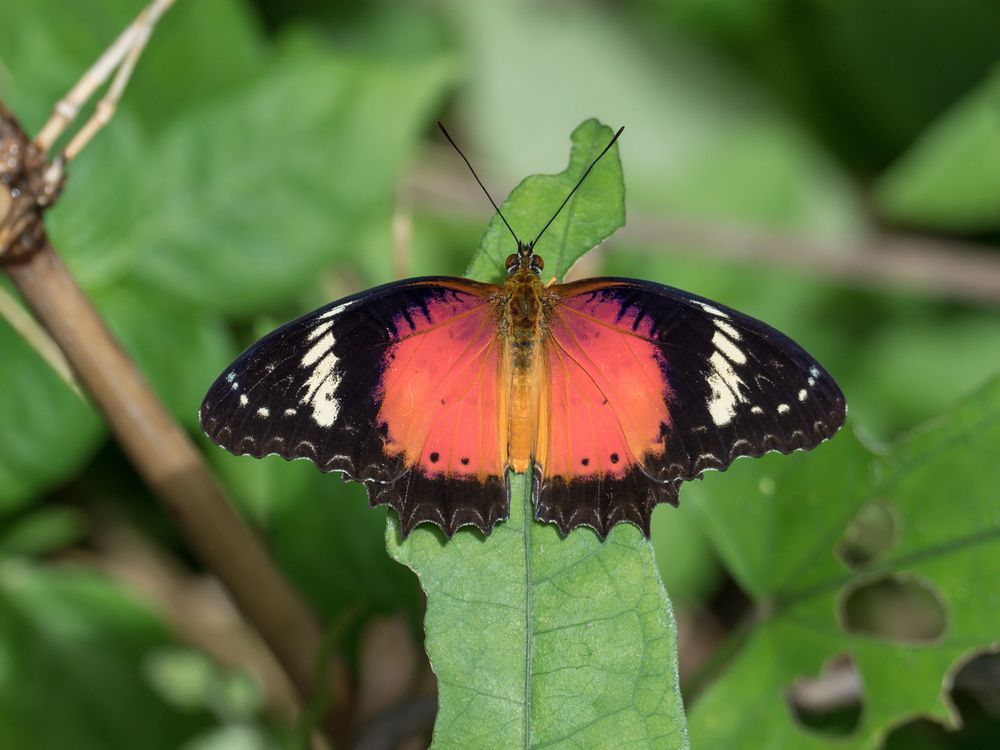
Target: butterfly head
525,259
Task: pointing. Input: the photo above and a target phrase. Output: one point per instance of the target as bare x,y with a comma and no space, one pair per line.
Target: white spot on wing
725,386
727,329
725,345
802,394
319,330
244,400
290,412
263,412
783,409
756,410
710,310
333,311
231,376
317,350
321,388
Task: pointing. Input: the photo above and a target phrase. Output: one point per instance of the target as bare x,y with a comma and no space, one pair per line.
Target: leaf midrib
528,612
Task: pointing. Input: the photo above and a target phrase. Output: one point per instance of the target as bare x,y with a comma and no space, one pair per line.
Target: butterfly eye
537,262
511,261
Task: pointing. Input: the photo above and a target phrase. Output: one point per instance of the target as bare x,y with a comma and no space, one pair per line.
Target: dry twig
37,339
946,268
159,449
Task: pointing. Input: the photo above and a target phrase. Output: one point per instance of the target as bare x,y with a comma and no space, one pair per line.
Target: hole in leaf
869,535
975,697
977,679
831,703
899,608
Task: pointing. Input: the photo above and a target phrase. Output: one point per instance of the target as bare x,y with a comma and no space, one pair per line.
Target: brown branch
964,271
174,469
160,450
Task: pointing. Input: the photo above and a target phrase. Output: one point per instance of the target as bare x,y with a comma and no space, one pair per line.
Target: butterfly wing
649,386
396,387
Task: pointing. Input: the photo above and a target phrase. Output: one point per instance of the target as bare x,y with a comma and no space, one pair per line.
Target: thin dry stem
38,339
127,47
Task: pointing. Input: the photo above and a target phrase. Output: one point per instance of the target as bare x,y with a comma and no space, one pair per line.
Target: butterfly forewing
395,387
650,386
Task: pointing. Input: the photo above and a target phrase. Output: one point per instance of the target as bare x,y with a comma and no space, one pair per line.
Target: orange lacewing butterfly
611,391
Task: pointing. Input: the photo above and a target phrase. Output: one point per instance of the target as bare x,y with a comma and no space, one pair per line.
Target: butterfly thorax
523,307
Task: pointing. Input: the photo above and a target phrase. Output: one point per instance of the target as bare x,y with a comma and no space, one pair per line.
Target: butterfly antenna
455,145
580,182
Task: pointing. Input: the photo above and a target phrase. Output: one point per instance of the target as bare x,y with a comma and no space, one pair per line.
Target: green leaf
42,532
778,524
262,189
538,640
197,51
71,653
542,641
950,178
594,212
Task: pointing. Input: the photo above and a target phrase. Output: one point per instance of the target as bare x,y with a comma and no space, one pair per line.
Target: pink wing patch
607,392
440,386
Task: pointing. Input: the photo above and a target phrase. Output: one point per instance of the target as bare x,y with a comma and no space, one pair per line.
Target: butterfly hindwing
671,385
394,387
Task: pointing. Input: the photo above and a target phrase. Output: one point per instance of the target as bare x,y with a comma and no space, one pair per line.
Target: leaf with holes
890,574
538,640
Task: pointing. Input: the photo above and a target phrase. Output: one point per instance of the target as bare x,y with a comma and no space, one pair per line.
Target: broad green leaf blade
594,212
538,640
542,641
947,538
263,189
950,179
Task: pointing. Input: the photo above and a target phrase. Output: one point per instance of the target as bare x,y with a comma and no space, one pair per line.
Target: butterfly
610,391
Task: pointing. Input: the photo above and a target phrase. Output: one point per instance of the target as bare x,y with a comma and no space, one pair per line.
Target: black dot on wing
585,461
442,402
465,460
614,458
434,457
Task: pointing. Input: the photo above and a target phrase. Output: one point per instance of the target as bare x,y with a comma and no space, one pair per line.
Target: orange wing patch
441,388
607,394
604,415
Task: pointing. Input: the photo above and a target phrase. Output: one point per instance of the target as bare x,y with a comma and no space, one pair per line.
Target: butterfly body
612,392
522,311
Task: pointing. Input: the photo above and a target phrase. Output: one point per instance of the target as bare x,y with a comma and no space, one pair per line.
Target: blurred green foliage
252,172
